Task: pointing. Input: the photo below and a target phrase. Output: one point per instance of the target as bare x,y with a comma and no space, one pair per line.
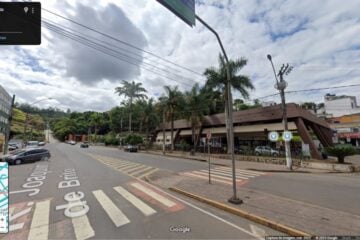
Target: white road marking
249,172
39,228
17,226
132,168
144,208
115,214
141,171
127,166
229,174
203,177
19,214
213,176
154,195
82,227
203,211
148,173
237,172
257,231
135,169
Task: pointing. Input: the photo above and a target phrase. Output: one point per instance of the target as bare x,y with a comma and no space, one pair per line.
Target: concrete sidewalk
308,218
218,159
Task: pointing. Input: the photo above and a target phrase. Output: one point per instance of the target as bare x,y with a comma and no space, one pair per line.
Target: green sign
184,9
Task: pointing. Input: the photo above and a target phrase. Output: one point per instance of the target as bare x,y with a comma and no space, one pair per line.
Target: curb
185,157
260,220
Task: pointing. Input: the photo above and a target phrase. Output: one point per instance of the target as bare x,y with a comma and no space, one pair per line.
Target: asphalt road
75,196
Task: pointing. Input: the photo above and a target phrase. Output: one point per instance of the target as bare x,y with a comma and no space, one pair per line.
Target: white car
265,150
32,144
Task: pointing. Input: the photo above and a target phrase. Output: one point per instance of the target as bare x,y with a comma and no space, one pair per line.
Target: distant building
347,128
340,105
268,104
5,110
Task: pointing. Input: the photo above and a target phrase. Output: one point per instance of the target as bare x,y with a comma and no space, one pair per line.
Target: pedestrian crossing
33,221
224,175
133,169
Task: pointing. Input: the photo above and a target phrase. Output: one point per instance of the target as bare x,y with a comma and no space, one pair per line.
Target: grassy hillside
35,122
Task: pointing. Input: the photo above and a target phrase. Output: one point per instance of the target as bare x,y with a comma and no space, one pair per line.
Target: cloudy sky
80,70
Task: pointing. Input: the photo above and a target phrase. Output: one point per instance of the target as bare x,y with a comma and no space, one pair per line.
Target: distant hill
35,127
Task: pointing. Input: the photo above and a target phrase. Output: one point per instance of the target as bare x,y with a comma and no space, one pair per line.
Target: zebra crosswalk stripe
154,195
134,169
124,165
141,171
213,175
82,226
248,172
148,173
39,228
115,214
128,167
144,208
203,177
238,175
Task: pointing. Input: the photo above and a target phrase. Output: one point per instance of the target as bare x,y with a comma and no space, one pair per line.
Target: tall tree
131,91
217,79
148,114
196,107
172,100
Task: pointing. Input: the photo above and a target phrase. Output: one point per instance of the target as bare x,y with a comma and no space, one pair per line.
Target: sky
320,39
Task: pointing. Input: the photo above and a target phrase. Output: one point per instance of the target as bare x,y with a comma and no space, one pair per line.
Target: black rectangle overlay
20,23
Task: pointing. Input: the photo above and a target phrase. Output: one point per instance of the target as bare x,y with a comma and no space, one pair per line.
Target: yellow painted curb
263,221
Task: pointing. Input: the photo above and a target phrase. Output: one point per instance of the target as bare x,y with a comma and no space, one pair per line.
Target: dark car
27,156
84,145
130,148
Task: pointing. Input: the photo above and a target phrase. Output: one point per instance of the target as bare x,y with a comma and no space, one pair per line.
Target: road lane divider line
140,171
115,214
163,200
82,226
143,207
148,173
39,228
206,178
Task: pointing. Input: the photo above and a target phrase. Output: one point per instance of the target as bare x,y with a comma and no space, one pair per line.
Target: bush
340,152
133,139
110,139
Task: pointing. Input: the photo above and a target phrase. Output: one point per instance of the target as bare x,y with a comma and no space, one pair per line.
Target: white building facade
340,105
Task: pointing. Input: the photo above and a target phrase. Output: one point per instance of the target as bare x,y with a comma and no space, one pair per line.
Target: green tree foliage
340,152
133,139
131,91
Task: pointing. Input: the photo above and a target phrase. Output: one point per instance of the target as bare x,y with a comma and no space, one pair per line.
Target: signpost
208,137
184,9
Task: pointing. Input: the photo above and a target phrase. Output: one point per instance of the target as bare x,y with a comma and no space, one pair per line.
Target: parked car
27,156
32,144
72,142
130,148
266,150
84,145
12,147
41,144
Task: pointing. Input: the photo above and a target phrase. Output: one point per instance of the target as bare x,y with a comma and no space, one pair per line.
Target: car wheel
45,158
17,161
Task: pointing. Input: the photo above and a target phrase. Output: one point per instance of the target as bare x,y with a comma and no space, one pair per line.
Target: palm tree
217,79
171,102
148,114
131,91
196,107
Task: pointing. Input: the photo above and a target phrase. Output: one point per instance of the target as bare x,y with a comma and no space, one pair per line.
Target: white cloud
319,38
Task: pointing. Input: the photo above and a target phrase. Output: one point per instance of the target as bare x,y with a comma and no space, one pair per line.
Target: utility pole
8,128
163,130
229,124
281,85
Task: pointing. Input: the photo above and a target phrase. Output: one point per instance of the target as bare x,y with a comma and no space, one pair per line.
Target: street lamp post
281,85
27,118
229,124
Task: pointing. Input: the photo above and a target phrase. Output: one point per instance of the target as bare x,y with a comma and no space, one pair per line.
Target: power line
121,41
99,47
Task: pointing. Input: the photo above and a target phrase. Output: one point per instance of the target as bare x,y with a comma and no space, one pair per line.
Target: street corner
155,196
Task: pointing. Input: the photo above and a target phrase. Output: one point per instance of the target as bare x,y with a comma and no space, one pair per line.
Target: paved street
77,196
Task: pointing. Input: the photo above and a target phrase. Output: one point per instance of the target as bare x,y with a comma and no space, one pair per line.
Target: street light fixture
27,116
281,85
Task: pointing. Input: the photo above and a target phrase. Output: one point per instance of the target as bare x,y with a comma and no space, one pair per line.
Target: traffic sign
184,9
273,136
287,136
